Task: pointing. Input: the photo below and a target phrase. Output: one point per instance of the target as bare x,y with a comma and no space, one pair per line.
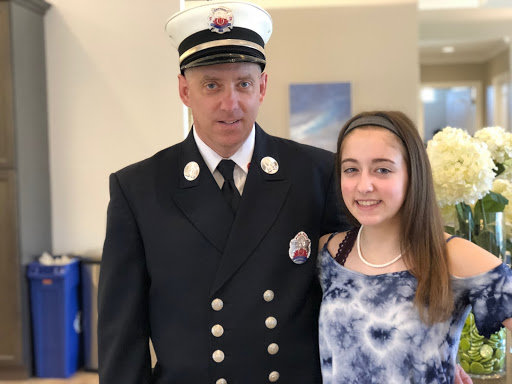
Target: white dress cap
220,32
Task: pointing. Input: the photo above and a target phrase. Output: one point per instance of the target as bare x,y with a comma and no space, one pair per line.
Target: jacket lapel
201,200
261,203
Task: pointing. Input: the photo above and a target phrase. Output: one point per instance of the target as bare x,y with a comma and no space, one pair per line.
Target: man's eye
211,86
245,84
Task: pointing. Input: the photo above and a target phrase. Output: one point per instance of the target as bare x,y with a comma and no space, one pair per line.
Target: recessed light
448,49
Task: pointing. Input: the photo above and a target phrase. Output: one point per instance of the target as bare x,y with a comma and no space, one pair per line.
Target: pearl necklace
367,262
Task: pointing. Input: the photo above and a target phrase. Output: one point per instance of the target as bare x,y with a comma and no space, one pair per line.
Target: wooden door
10,307
6,95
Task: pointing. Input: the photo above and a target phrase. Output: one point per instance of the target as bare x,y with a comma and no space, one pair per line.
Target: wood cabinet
25,219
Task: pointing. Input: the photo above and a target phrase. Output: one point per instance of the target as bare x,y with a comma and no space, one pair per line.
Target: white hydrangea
504,187
462,167
499,142
448,214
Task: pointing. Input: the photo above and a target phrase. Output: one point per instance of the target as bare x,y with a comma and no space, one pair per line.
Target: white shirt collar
242,157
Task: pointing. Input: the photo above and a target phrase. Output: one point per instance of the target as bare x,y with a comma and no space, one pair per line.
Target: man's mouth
229,121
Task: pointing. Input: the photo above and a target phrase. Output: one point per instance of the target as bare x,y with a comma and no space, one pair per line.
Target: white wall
112,100
374,48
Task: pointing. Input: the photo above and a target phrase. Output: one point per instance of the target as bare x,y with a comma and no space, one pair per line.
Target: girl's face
373,175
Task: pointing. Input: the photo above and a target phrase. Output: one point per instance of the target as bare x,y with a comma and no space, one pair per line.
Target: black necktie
229,189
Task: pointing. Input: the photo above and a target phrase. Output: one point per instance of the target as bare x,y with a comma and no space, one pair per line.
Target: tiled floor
79,378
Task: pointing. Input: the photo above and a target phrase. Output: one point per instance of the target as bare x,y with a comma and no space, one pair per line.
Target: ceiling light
448,49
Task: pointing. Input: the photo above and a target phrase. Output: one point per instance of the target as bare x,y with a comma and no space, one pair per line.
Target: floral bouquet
472,178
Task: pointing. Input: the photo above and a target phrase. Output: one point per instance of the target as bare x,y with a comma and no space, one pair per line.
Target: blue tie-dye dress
370,331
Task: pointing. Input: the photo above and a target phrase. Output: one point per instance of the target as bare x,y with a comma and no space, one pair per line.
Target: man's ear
184,89
263,86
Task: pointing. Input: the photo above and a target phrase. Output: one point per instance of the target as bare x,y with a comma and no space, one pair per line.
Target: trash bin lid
91,259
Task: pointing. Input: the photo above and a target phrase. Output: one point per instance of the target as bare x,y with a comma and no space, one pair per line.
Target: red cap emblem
220,20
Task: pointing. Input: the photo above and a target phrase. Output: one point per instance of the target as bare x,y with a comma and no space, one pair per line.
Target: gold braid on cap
220,43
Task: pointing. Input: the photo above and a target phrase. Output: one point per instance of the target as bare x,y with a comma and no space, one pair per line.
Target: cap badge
191,171
220,20
269,165
300,248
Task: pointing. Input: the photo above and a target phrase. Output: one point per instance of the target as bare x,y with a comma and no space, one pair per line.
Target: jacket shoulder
151,163
309,150
297,154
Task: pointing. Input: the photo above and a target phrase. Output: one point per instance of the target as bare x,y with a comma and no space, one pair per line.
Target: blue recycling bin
56,323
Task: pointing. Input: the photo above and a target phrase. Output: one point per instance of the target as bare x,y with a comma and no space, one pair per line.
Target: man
214,260
220,274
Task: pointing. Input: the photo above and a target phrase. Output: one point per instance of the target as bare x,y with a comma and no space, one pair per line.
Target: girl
397,289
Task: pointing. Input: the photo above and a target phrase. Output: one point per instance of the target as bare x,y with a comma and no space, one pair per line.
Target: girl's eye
349,170
383,170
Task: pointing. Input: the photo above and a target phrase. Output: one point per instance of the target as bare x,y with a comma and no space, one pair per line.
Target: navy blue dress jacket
173,247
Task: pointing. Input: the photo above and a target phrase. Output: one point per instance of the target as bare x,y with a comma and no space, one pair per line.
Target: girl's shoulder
333,241
468,259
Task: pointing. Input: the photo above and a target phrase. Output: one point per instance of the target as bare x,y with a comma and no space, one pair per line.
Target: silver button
268,296
218,356
217,330
271,322
273,377
221,381
273,349
217,304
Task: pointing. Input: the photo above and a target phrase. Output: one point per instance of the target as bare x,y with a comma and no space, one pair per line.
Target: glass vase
480,357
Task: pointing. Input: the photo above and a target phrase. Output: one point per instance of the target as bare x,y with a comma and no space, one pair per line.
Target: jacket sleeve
334,220
123,327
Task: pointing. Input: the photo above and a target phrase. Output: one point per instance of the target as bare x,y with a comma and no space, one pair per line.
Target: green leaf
492,202
501,168
449,229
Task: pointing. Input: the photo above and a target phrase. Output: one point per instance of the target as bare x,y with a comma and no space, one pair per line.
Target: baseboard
13,373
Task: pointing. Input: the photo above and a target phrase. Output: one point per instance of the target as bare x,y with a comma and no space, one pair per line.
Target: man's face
224,99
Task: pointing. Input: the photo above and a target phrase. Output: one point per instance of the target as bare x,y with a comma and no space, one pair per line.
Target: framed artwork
318,111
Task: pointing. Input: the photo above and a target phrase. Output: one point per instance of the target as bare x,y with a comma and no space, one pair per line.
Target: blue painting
317,113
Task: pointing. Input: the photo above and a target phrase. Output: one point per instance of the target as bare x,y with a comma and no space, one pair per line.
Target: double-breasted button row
271,323
217,331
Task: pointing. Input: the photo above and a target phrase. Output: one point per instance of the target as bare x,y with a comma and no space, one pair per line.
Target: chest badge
269,165
300,248
220,20
191,171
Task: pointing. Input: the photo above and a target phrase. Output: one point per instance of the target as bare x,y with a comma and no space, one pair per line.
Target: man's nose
229,100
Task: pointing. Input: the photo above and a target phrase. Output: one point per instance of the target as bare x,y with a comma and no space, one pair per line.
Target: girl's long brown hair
422,230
